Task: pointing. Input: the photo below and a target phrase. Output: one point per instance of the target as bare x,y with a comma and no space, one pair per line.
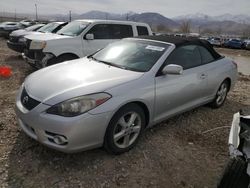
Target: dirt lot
176,153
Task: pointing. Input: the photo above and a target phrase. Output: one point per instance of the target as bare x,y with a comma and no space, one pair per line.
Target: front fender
58,47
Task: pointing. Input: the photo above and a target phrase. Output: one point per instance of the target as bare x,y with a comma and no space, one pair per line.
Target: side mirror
172,69
89,36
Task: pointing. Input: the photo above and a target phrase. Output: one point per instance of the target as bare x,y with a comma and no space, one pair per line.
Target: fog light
60,140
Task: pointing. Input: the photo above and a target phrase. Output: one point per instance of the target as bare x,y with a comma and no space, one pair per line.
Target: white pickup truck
78,39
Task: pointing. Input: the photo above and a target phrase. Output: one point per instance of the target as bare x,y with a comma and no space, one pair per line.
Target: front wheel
124,129
221,95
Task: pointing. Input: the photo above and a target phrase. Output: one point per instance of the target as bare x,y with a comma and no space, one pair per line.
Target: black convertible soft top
182,41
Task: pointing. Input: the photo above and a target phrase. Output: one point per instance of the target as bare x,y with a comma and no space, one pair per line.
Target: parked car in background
16,40
27,23
246,44
215,41
109,98
18,43
234,43
7,27
78,39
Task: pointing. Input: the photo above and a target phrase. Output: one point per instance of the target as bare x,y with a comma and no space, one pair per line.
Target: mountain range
202,23
239,18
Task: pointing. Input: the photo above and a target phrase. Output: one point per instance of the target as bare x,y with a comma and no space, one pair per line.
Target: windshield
136,55
34,27
48,28
73,29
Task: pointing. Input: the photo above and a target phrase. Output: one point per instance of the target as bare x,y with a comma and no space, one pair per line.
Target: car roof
110,21
182,41
176,40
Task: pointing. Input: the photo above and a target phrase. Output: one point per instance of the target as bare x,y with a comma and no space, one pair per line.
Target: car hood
22,32
70,79
46,37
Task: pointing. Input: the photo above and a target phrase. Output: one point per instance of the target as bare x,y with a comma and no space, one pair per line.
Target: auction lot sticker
155,48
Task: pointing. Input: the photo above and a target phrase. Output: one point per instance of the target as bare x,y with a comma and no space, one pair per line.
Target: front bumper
18,47
36,58
82,132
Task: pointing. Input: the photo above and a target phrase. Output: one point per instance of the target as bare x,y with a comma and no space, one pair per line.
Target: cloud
165,7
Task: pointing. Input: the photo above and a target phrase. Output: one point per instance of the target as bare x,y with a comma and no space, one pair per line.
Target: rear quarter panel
218,71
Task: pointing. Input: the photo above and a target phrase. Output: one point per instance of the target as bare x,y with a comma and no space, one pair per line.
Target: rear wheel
221,95
124,129
235,174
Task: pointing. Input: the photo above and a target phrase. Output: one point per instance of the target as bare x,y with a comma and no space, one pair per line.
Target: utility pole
15,14
36,12
127,16
70,15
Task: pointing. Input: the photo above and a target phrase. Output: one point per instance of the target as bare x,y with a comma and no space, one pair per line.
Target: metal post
36,12
70,16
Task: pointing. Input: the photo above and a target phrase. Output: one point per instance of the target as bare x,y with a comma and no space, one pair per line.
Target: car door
218,69
177,93
212,69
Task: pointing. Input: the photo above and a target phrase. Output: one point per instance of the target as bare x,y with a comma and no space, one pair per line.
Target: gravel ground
175,153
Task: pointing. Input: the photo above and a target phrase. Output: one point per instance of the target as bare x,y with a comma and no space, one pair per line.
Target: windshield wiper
107,63
114,65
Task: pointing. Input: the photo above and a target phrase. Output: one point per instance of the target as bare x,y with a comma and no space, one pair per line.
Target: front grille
28,102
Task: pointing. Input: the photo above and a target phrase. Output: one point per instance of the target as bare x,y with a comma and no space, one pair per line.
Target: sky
165,7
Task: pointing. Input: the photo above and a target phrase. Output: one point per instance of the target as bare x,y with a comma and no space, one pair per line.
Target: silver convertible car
109,98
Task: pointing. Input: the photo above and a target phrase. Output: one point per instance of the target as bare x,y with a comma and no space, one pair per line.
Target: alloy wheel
222,93
127,129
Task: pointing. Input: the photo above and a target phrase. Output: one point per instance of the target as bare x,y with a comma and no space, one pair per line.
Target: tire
127,133
221,95
235,174
65,57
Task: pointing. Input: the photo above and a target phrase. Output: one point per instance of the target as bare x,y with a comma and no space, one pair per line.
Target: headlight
37,45
22,40
79,105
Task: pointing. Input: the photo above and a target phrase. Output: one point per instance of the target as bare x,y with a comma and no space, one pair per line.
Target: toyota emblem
25,99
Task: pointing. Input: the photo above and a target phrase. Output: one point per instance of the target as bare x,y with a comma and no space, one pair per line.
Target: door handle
203,76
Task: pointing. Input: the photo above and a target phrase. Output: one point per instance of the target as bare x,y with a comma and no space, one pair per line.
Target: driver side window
100,31
186,56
